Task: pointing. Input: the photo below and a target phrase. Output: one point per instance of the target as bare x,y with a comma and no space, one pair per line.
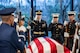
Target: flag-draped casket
46,45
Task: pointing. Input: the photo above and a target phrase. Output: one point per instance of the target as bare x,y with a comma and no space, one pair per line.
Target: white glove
0,22
28,27
76,23
66,34
65,23
76,36
79,31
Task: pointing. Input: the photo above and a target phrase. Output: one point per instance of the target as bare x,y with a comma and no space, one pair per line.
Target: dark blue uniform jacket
9,42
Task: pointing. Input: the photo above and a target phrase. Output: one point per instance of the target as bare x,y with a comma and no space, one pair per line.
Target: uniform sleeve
31,24
46,30
16,42
62,32
50,27
65,23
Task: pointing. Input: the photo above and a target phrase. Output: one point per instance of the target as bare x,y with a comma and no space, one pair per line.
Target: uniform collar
72,21
38,20
54,23
5,24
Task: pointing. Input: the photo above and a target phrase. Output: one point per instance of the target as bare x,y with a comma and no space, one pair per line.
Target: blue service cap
7,11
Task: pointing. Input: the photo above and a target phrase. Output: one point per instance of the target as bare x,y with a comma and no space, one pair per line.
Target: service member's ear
11,20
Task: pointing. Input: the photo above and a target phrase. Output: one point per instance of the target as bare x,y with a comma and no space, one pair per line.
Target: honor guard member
70,29
39,26
79,32
9,42
79,24
21,29
56,28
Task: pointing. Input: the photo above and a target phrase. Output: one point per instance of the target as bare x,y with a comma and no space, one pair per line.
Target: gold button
39,28
56,32
56,29
69,26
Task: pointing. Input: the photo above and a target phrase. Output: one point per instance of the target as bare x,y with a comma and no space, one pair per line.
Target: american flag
46,45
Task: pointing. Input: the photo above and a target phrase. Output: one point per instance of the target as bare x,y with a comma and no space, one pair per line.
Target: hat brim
70,14
55,17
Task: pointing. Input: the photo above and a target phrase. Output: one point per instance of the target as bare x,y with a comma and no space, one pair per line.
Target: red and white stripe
46,45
